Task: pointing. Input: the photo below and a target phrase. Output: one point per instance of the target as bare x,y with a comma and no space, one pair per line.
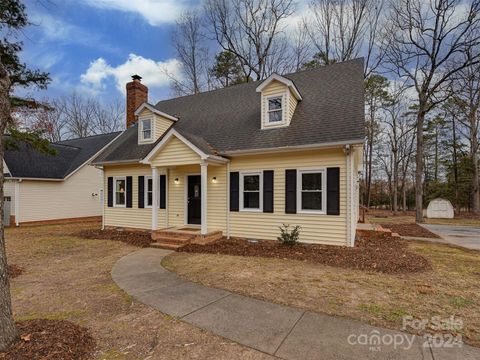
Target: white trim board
154,110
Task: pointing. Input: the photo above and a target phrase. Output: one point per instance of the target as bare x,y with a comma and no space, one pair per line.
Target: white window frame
282,109
142,130
115,179
300,172
260,190
145,190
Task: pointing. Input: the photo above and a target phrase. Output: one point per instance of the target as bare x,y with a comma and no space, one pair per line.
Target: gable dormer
152,123
279,98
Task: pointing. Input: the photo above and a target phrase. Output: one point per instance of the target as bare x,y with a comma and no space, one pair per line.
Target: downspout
103,196
17,202
228,200
348,195
167,207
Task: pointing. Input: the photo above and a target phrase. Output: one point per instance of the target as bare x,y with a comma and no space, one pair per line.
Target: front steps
173,238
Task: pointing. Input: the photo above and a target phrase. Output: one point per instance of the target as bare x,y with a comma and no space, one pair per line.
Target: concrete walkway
281,331
464,236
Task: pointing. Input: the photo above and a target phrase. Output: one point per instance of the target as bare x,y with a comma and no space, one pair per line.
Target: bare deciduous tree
250,29
346,29
424,43
189,43
466,87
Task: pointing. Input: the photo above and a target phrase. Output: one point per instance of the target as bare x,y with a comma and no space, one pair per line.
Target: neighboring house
243,160
45,187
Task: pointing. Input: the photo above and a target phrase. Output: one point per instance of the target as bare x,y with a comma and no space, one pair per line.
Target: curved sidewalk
282,331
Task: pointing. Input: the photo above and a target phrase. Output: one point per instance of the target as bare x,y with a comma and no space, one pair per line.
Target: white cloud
156,12
156,74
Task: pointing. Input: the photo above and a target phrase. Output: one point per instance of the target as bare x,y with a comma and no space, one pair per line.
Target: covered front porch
195,192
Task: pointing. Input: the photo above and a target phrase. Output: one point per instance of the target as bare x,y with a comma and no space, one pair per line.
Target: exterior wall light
214,180
176,181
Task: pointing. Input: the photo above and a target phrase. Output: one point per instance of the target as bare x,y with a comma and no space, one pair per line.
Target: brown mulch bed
51,339
410,229
135,238
372,252
14,271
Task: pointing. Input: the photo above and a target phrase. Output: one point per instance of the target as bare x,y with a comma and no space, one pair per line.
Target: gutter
119,162
331,145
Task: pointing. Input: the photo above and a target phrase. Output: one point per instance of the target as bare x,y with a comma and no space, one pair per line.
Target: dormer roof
153,109
287,82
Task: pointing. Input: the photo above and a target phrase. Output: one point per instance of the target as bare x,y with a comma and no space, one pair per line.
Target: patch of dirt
51,339
373,252
14,271
135,238
410,229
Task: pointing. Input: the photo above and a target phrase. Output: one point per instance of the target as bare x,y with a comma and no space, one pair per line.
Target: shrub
288,237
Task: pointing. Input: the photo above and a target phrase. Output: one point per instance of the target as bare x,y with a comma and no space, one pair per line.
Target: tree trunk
8,331
476,174
395,181
455,162
419,166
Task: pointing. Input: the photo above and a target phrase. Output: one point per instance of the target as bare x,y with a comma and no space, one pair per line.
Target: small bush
288,237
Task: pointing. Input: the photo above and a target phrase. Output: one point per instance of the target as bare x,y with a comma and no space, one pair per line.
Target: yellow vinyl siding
175,153
292,105
130,217
52,200
161,125
315,228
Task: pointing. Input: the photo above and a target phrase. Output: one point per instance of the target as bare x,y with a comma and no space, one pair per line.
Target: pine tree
227,69
13,73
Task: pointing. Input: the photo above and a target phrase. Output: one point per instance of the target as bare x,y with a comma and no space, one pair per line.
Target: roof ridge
258,81
86,137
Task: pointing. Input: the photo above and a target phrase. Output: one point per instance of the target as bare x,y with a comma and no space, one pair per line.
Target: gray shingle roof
226,120
27,162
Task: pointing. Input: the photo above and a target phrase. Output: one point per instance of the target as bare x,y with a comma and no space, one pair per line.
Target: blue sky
93,46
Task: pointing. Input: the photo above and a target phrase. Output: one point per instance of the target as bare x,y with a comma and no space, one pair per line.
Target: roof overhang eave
324,146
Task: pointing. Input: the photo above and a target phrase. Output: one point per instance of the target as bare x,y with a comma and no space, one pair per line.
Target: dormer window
275,110
279,100
146,129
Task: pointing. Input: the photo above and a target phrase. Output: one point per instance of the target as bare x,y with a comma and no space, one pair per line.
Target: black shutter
163,191
291,191
333,191
129,191
268,191
110,191
234,191
141,192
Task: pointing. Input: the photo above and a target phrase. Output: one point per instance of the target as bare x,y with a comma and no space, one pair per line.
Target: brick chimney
137,94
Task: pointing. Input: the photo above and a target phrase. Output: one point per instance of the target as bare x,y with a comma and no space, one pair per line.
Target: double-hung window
275,110
251,185
311,190
148,191
120,191
146,129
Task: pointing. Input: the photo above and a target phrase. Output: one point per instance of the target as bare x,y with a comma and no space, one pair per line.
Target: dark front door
194,202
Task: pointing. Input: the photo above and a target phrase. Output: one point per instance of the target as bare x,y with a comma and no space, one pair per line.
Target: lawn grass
451,288
68,278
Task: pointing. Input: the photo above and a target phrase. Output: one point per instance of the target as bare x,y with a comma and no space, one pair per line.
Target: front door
194,203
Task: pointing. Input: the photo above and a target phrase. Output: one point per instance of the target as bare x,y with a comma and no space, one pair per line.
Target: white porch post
155,186
204,192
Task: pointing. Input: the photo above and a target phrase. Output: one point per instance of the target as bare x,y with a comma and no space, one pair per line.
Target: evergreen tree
227,69
13,73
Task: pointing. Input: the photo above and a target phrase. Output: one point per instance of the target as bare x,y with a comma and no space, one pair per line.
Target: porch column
204,192
155,186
